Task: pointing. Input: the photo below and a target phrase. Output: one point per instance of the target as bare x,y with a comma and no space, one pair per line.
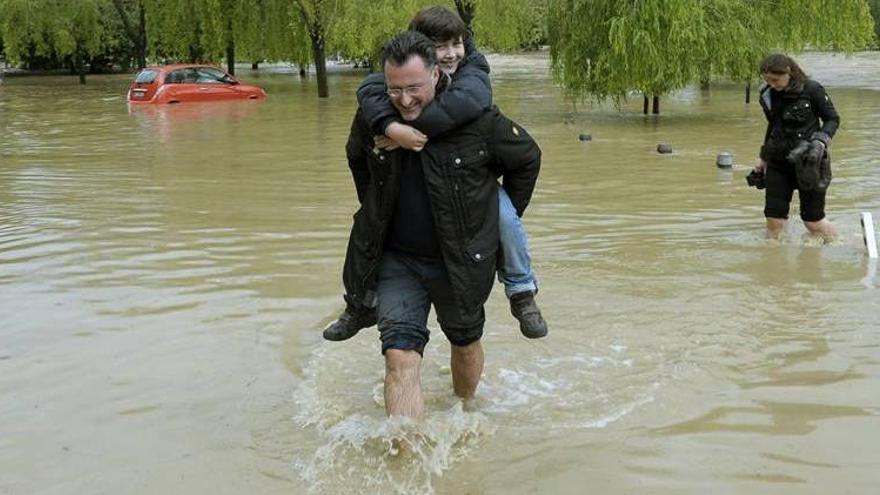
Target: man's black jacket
460,170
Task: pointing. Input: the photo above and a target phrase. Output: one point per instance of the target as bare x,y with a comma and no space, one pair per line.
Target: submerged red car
186,83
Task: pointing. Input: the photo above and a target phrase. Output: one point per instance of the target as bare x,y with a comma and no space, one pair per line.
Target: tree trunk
656,107
230,47
302,70
141,44
79,66
195,53
748,92
320,65
137,34
645,105
230,56
255,65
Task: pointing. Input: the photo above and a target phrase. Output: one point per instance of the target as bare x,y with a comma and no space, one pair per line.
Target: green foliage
875,14
366,25
175,30
51,28
838,25
509,25
608,48
259,30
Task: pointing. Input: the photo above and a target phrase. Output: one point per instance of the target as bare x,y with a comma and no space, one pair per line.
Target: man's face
776,81
411,86
449,54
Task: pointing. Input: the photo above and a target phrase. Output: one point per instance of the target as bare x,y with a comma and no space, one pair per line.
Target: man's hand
385,143
406,136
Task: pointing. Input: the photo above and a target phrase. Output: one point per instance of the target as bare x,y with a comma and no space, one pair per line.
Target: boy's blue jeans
516,274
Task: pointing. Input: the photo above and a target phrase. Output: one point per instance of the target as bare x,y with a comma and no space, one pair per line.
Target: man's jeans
408,287
516,274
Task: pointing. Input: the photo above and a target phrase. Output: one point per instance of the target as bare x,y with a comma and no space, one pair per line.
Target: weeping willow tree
132,15
366,25
611,48
875,13
608,48
838,25
509,25
204,30
270,31
175,30
68,30
301,31
504,25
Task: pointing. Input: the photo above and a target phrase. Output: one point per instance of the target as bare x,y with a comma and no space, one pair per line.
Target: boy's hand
761,166
406,136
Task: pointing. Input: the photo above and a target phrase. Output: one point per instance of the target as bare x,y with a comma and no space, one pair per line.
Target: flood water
165,274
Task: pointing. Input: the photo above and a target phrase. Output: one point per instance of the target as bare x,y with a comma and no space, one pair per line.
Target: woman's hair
778,63
439,23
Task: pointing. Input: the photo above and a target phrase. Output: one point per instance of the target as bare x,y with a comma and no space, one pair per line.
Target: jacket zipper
457,205
381,238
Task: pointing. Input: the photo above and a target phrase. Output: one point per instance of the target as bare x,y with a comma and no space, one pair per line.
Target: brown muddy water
165,273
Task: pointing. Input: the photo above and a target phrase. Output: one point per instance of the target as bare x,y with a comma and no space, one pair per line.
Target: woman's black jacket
803,112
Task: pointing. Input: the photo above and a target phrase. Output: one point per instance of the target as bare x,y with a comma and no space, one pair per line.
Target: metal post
868,233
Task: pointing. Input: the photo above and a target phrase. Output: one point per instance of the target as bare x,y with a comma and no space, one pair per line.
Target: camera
756,179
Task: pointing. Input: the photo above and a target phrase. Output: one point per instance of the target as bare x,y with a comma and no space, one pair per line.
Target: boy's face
449,54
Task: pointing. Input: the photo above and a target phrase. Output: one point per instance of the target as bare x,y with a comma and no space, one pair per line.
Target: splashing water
360,452
354,448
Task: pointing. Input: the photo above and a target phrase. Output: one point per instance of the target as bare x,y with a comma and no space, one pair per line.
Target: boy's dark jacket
460,170
467,97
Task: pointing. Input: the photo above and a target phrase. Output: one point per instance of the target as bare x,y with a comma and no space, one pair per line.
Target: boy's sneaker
350,322
525,309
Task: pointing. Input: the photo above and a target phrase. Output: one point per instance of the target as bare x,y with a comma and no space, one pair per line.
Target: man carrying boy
467,96
427,229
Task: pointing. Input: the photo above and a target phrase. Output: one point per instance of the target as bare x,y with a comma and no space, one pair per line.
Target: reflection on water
764,418
165,271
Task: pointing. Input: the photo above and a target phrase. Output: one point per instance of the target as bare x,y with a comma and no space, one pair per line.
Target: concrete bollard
664,148
724,160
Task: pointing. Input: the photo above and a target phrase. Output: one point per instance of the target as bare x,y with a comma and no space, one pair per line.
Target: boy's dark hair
407,44
778,63
439,23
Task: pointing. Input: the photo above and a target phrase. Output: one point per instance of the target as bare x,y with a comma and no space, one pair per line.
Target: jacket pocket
483,245
470,157
480,251
800,112
470,174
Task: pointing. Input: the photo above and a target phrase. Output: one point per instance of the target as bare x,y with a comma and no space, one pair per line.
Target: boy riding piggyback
466,96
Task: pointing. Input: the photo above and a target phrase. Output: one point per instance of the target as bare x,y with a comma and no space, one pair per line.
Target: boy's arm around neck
468,96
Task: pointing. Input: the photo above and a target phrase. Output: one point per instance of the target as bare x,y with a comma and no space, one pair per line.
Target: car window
146,76
181,76
212,76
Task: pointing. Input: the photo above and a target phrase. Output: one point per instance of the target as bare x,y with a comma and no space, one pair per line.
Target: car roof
171,67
